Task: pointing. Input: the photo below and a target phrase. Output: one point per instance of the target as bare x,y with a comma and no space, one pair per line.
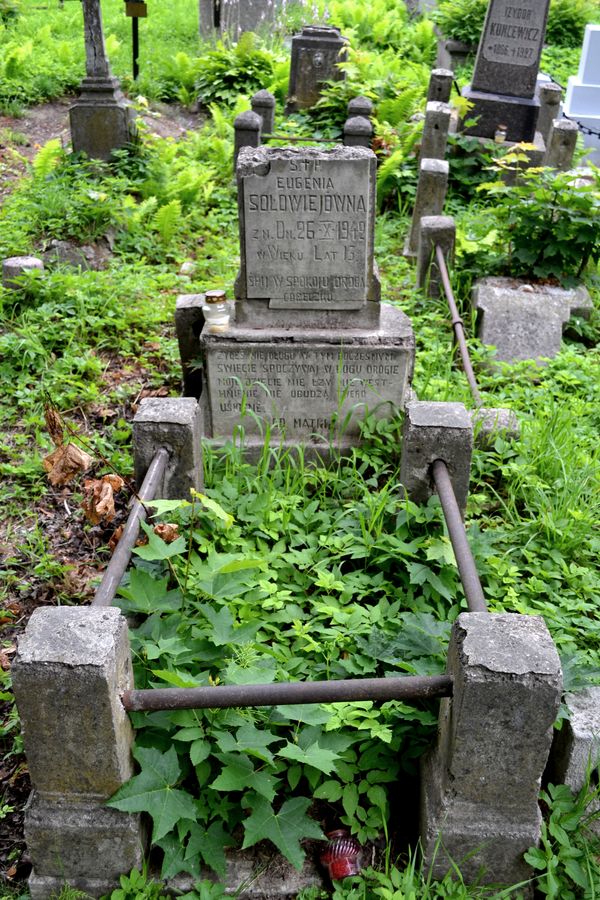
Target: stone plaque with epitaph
510,47
306,227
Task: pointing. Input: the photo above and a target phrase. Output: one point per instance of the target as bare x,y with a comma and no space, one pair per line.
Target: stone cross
96,60
506,69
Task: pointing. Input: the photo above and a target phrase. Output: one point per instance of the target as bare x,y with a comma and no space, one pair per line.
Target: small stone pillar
561,144
431,194
436,431
72,665
491,422
435,130
189,321
263,104
434,230
480,784
101,120
550,96
176,424
358,132
360,106
247,127
15,266
440,85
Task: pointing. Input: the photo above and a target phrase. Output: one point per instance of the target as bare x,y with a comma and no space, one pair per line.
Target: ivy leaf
146,594
285,829
156,548
223,631
210,845
153,791
309,713
313,756
238,775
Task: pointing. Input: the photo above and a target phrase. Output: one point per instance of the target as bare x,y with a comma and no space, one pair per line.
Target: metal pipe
295,140
457,324
410,687
458,538
115,570
135,46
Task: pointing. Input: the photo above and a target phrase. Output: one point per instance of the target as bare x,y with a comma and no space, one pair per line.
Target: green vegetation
288,570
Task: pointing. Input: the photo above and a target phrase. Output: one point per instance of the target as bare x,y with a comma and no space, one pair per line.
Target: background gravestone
233,17
316,52
311,346
506,68
582,102
101,120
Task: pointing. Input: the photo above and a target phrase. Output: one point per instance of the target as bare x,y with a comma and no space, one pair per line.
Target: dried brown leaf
54,424
115,538
98,503
65,463
167,531
115,481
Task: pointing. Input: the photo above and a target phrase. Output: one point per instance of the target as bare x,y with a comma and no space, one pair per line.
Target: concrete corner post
480,783
562,141
247,129
176,424
429,201
360,106
434,230
358,132
436,431
440,85
550,95
435,130
575,753
189,320
71,667
263,104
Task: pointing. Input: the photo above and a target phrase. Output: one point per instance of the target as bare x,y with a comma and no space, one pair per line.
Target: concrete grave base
525,321
311,387
87,845
261,875
101,119
518,114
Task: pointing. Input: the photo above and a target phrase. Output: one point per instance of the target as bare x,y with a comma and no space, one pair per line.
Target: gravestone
316,52
506,69
582,102
101,120
311,346
219,18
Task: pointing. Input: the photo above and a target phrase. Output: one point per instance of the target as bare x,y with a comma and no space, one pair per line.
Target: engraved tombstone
506,69
316,52
101,120
233,17
311,347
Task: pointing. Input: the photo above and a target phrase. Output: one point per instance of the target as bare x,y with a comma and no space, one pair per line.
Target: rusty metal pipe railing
410,687
457,325
458,538
115,570
297,139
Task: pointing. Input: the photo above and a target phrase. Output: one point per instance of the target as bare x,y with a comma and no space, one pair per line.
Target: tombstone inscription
506,69
310,346
306,230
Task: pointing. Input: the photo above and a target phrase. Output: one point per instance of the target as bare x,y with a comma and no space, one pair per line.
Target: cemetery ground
334,573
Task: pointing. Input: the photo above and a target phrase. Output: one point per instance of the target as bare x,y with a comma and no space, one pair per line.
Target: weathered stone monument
503,89
101,120
316,52
310,347
219,18
582,102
